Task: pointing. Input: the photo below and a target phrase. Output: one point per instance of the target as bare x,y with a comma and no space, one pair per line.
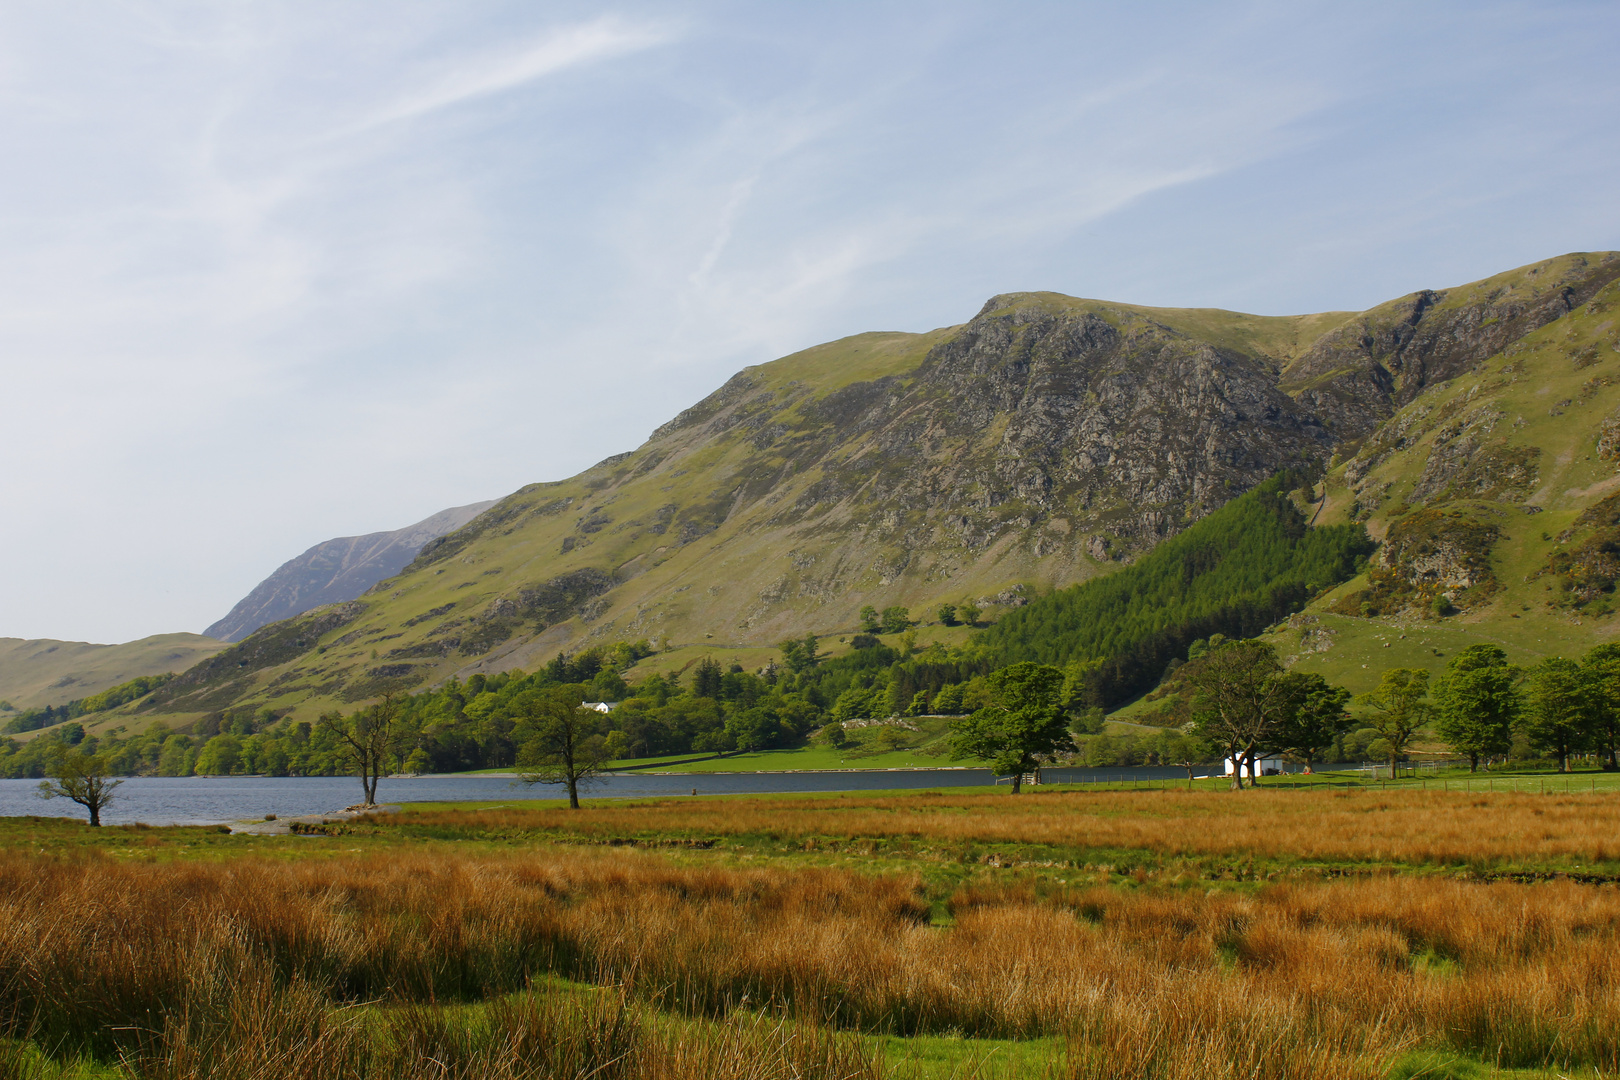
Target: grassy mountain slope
43,672
1500,489
1046,441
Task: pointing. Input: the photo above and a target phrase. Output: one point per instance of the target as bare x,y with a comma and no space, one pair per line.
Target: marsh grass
427,964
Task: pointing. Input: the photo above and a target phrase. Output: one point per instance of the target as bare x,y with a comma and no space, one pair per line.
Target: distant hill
336,570
1046,441
41,672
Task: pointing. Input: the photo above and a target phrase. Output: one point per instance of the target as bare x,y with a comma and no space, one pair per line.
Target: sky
275,272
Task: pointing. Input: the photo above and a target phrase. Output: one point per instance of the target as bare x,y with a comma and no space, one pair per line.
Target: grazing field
1124,935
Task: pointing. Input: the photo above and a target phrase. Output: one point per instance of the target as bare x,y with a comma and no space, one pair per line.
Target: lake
208,800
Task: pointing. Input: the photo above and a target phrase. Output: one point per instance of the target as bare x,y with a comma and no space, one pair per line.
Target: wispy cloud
471,78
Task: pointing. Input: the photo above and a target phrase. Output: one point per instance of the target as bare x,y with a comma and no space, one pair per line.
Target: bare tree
566,746
367,739
83,778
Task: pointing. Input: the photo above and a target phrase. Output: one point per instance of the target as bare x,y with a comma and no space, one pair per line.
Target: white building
599,706
1262,765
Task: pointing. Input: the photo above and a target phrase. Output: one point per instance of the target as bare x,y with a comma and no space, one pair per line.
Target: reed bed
1330,825
252,968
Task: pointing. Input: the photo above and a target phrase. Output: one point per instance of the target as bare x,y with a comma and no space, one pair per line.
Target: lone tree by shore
567,746
83,778
1023,722
368,740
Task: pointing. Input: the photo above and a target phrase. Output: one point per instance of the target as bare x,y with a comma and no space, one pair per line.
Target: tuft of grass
1427,1065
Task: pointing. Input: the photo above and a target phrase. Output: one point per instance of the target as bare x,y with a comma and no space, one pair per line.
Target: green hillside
1497,490
41,672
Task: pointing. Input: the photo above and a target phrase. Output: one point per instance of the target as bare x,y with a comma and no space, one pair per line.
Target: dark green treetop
1477,702
1023,720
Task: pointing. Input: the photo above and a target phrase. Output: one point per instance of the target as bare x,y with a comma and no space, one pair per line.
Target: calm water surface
207,800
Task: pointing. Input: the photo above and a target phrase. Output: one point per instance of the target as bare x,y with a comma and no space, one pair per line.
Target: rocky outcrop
1608,437
1118,428
1358,375
1427,555
1465,464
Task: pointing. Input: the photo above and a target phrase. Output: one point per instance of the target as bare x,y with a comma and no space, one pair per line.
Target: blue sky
276,272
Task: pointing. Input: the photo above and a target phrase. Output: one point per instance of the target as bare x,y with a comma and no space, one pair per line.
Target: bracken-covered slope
1041,443
336,570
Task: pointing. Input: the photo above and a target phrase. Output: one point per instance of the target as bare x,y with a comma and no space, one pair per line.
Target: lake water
207,800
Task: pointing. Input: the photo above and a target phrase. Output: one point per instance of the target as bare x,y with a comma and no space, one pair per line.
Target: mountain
1045,441
336,570
43,672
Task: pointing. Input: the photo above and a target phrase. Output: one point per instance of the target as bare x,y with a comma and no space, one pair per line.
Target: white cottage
1262,765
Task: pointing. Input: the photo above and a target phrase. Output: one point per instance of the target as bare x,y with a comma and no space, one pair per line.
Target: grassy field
1322,927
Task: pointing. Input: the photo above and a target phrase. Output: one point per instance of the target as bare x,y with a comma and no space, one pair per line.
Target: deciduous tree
948,702
566,746
1563,708
1023,720
800,654
1312,716
1397,708
83,778
1240,698
1602,666
368,740
1477,702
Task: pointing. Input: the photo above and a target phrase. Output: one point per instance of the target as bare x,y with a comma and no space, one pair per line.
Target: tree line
44,716
1243,704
